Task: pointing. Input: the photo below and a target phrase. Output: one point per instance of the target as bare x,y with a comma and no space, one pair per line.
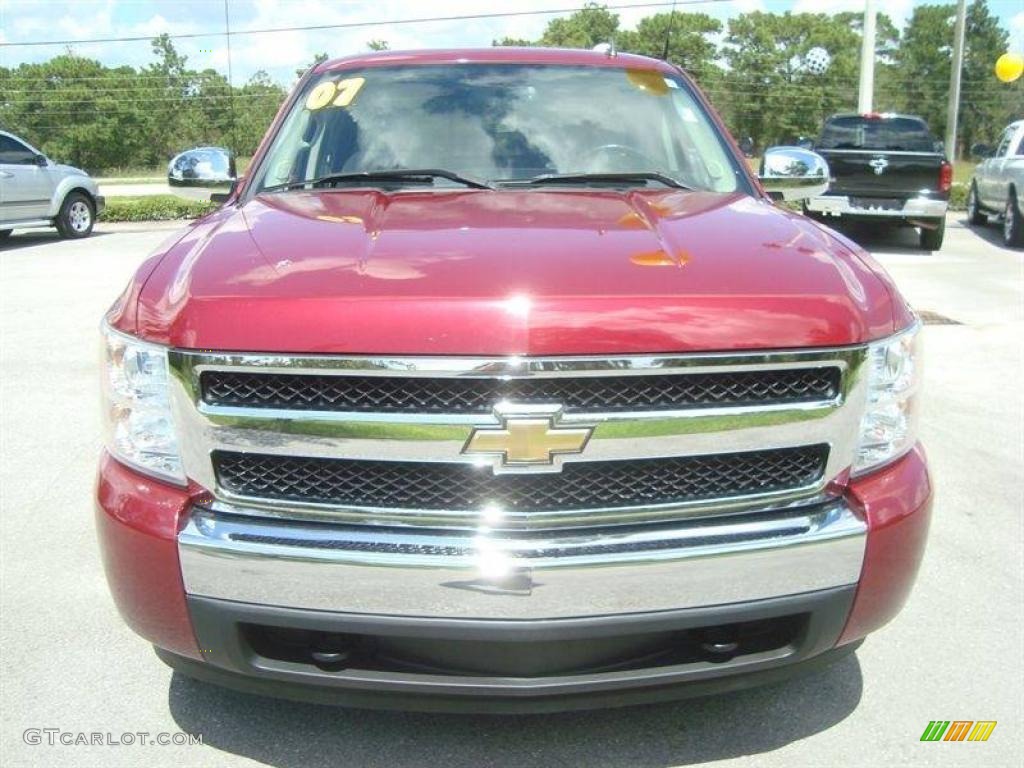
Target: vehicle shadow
883,238
289,735
888,238
991,232
34,237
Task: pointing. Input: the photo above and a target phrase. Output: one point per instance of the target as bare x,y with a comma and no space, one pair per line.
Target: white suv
36,192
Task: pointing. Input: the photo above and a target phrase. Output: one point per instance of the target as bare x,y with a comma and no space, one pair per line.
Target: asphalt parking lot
69,663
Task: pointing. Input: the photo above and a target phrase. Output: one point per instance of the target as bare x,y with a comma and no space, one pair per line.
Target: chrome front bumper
530,575
914,208
205,429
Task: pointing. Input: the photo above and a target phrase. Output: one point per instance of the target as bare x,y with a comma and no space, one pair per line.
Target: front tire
975,216
77,216
931,239
1013,225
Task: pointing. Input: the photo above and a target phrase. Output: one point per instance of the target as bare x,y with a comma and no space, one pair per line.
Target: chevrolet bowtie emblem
528,437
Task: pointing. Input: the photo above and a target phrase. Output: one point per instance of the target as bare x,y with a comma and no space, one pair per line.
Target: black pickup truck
885,167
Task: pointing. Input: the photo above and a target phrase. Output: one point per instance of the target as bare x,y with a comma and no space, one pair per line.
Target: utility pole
865,96
231,87
953,107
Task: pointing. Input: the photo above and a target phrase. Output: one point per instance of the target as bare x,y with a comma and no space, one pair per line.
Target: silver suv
36,192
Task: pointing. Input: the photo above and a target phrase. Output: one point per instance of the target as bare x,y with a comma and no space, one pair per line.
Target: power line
360,24
112,73
220,92
143,80
103,98
721,104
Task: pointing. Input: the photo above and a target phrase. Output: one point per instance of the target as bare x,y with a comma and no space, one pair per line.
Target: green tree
691,42
923,64
586,28
690,37
256,102
768,94
887,36
924,61
513,41
167,93
75,109
82,112
318,58
378,45
986,105
98,117
169,62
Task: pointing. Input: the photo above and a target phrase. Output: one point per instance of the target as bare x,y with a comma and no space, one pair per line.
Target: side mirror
746,145
981,151
41,161
223,197
793,173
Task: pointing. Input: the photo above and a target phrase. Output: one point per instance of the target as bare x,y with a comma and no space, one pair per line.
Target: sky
280,54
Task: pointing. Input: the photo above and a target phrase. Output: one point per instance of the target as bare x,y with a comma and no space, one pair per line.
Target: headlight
137,408
888,428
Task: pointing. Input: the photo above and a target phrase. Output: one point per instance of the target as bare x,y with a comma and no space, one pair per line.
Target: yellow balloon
1009,67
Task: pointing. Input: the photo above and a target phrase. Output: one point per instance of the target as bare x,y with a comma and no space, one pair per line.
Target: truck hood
533,272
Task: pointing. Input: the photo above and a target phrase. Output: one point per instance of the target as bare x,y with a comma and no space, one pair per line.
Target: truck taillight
945,177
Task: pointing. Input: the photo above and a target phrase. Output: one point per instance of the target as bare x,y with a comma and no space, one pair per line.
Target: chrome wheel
80,216
1013,226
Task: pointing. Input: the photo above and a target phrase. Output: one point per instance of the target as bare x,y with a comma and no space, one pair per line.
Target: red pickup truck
501,383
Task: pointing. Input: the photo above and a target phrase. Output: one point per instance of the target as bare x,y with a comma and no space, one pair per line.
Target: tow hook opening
334,652
331,656
328,651
720,644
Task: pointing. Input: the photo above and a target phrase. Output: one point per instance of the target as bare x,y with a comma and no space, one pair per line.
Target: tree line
752,68
82,112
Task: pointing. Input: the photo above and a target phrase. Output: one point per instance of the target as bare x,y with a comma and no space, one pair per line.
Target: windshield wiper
397,174
630,177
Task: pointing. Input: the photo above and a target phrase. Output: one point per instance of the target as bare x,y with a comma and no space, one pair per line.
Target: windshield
498,123
894,134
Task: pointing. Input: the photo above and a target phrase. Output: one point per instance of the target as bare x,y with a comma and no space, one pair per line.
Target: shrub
958,197
154,208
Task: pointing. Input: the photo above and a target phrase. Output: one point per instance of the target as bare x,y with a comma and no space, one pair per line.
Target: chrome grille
380,441
426,485
386,394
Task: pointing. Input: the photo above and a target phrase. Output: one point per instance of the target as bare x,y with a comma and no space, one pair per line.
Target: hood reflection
515,271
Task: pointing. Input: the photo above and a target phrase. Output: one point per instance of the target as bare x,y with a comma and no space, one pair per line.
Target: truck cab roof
498,55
